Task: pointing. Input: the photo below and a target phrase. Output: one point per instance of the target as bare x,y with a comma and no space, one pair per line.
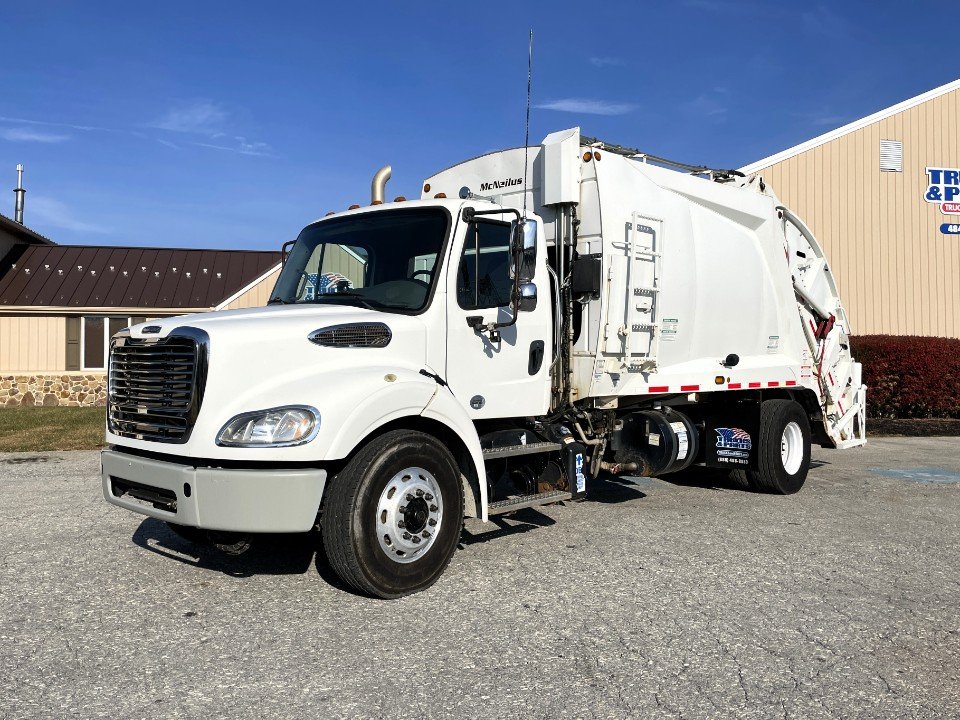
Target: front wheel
393,515
783,457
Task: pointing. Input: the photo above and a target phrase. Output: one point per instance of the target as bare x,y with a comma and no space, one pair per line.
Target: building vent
891,156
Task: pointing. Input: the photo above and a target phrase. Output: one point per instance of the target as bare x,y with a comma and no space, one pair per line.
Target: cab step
514,450
501,507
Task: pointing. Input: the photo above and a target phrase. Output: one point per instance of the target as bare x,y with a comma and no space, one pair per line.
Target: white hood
262,358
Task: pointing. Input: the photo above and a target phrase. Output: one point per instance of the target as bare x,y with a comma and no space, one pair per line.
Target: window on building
95,335
891,156
483,278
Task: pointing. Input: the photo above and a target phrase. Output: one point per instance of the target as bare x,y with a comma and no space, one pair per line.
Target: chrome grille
356,335
155,386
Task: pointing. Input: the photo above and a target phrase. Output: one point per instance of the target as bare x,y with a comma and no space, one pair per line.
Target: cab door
509,375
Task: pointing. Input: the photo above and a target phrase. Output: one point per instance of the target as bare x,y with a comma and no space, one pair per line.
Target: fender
407,395
446,409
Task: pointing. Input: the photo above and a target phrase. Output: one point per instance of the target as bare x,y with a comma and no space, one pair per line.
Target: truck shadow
294,554
611,489
516,523
605,489
268,554
715,478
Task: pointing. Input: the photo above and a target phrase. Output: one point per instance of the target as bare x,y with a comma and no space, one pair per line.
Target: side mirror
523,237
528,297
527,239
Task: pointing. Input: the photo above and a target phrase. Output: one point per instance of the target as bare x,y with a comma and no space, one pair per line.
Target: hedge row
910,376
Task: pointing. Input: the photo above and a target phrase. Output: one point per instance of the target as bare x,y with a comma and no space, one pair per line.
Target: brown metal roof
98,276
21,233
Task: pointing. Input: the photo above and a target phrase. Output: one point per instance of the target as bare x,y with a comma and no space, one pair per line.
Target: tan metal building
888,226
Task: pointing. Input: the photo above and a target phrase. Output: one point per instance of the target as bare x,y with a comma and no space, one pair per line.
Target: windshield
382,260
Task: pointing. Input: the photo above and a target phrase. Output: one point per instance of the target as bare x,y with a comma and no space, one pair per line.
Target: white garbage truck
539,317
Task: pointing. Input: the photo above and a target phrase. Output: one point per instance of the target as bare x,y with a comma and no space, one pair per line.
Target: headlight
277,427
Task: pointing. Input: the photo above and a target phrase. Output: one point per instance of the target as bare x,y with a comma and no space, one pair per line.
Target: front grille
155,386
355,335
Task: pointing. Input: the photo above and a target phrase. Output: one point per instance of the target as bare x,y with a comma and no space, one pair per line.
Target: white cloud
605,61
48,123
586,106
706,106
29,135
209,120
822,117
203,117
242,148
44,211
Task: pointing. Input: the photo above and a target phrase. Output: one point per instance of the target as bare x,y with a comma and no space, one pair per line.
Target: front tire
783,456
393,516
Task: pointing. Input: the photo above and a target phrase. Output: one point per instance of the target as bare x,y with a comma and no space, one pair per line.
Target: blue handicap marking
929,475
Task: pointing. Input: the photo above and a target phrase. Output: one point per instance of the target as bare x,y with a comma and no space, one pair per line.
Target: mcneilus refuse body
539,316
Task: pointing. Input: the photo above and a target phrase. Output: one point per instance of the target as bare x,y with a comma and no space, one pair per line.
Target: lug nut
409,497
428,497
433,508
425,534
419,492
406,536
402,508
431,522
401,524
416,539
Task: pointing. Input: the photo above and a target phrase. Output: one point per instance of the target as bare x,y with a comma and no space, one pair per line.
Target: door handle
535,361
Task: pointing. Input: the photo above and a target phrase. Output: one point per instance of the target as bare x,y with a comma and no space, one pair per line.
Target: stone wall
68,388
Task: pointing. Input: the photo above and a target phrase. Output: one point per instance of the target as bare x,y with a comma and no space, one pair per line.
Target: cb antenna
526,134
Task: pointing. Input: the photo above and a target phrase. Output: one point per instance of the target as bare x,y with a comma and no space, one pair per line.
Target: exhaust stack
379,184
19,192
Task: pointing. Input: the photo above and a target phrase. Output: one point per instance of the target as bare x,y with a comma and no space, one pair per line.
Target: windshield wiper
277,301
346,295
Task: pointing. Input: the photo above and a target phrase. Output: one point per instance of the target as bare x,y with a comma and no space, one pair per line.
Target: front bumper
263,500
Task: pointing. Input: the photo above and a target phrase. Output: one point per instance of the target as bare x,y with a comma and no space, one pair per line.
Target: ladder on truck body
632,322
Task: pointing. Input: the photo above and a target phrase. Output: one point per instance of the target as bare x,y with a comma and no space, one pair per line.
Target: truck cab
398,321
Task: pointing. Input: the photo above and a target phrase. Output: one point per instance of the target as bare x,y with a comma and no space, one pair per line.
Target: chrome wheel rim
791,448
409,515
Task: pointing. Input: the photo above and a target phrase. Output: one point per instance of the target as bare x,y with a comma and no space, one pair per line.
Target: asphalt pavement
650,599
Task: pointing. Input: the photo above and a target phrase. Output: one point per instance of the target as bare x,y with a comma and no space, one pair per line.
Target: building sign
943,188
950,228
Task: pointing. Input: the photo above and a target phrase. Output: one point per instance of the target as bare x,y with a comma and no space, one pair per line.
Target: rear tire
783,455
393,516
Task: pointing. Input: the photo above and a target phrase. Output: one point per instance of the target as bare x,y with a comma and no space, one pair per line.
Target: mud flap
731,437
577,464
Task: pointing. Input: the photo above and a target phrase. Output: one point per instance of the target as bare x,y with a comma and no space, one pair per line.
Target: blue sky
233,124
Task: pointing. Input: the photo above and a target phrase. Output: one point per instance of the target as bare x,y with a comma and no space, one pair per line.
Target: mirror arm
469,213
284,252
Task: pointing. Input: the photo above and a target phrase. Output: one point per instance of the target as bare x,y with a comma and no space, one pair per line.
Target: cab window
483,277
